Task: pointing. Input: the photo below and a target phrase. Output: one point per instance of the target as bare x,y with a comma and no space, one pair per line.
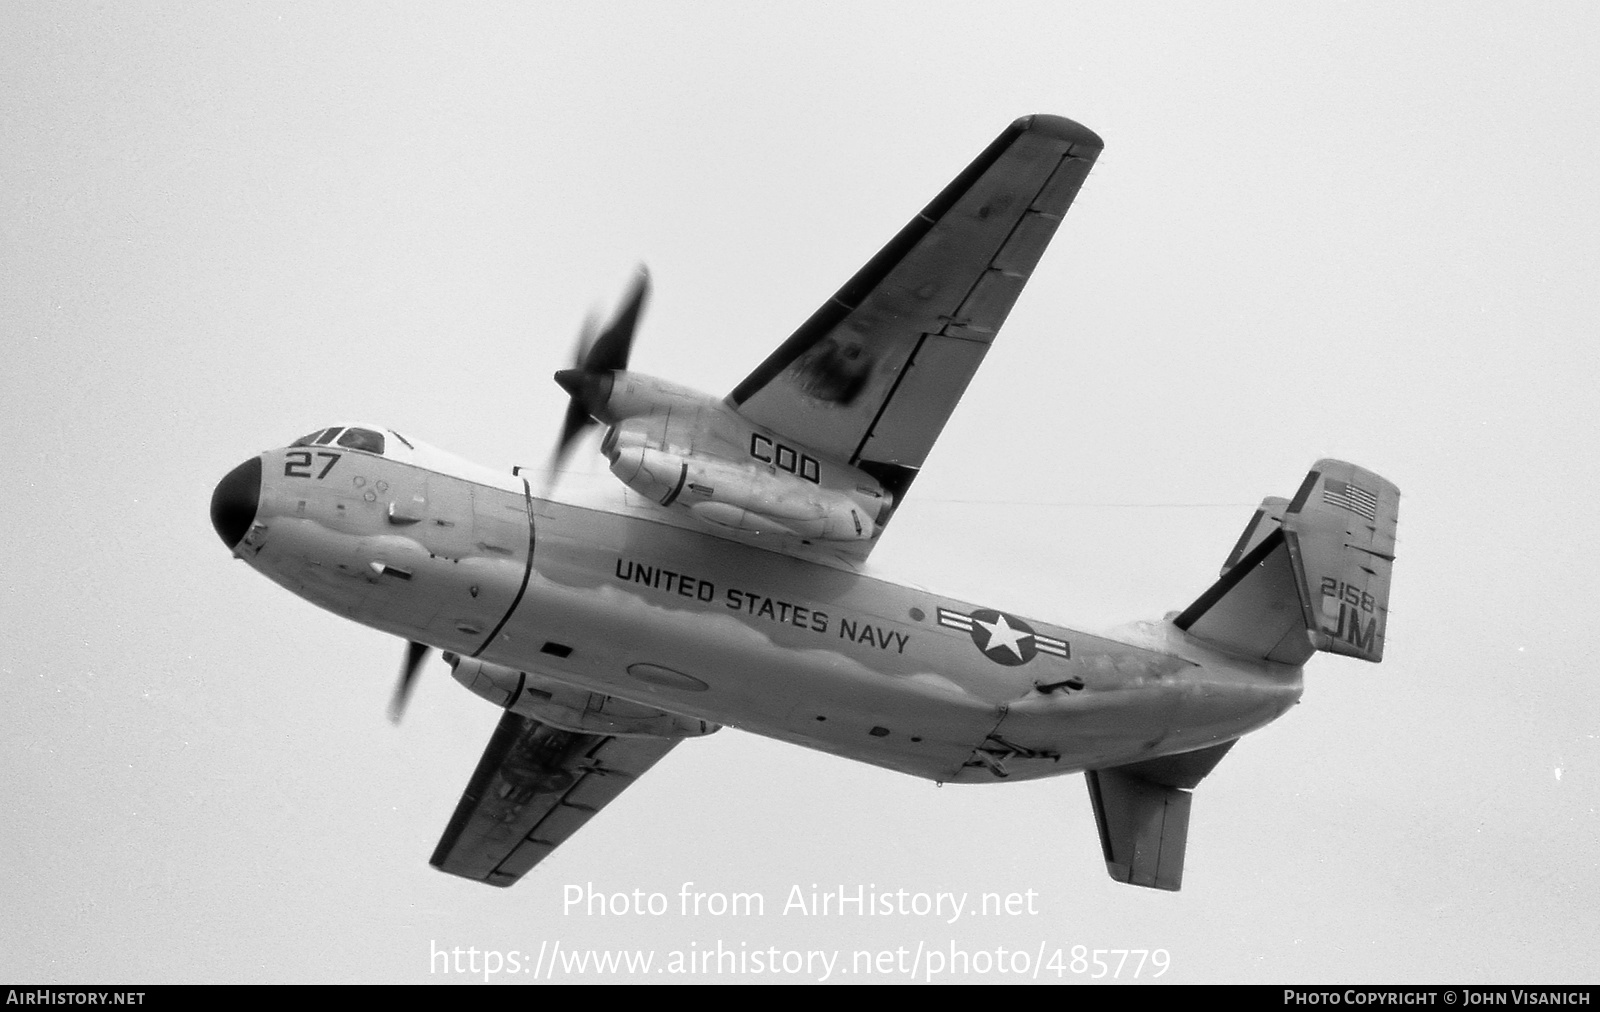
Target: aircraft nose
233,504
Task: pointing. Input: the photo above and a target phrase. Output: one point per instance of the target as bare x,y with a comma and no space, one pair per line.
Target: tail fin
1142,812
1309,574
1268,518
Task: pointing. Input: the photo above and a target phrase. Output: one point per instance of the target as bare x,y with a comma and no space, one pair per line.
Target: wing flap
979,316
912,418
533,788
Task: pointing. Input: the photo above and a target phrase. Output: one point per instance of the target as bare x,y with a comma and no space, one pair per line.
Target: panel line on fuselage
527,573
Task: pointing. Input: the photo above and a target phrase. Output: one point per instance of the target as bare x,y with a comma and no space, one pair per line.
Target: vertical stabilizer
1340,531
1308,574
1142,812
1268,518
1144,828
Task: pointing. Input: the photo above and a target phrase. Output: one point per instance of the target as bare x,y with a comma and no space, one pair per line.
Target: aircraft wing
535,786
873,375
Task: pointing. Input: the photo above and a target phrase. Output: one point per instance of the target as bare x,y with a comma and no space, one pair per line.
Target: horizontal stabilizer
1309,574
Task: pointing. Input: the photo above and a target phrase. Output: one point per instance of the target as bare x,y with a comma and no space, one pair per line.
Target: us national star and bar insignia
1004,639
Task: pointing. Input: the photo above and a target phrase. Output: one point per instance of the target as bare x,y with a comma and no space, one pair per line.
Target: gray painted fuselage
624,600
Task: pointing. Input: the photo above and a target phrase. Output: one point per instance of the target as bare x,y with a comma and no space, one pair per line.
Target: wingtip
1060,128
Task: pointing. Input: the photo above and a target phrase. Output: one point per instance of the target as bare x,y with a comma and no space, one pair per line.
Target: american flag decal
1351,497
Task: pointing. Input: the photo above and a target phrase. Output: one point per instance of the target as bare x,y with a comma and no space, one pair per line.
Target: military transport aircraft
722,579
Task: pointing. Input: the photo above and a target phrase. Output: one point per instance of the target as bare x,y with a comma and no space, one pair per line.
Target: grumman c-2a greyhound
722,581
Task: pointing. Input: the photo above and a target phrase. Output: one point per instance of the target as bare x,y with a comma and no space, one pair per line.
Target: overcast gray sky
1352,230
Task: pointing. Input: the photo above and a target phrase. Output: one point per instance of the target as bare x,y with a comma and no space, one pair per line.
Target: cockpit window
362,439
327,436
320,436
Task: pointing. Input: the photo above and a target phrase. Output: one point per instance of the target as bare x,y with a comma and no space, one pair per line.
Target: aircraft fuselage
610,596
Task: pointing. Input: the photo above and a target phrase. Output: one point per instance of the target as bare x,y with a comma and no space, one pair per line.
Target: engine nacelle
746,498
568,707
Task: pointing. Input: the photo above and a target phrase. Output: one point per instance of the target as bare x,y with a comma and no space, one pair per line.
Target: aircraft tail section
1268,518
1142,812
1308,574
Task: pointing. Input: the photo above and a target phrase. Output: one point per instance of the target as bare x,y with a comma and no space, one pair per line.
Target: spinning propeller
410,666
599,356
